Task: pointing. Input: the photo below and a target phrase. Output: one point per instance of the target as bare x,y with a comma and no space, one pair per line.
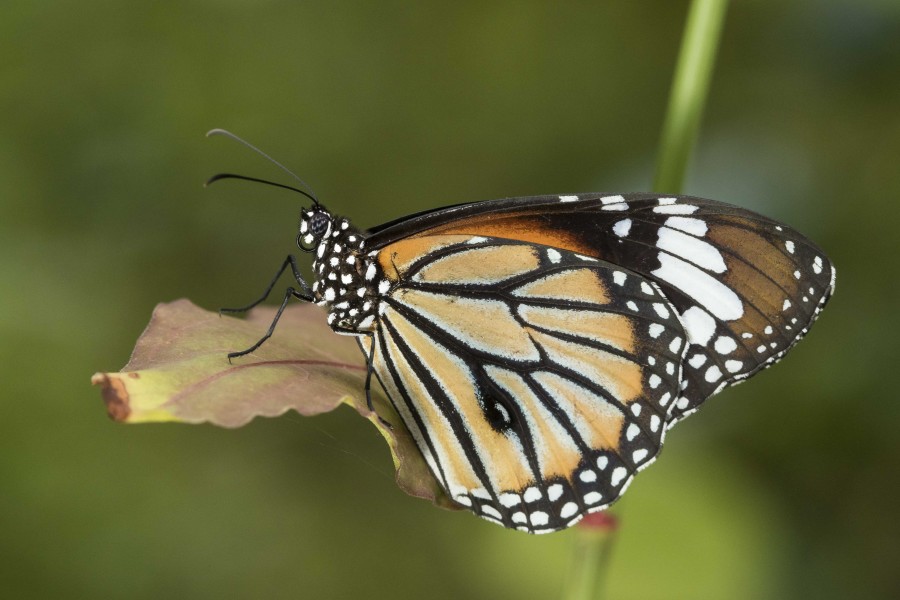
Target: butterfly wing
747,288
535,380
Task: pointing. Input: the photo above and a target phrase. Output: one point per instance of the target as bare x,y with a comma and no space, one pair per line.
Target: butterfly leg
305,292
288,294
370,368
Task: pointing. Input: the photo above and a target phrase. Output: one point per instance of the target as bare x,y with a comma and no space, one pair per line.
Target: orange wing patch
521,227
495,264
557,453
397,258
620,376
477,323
447,449
599,422
510,468
574,285
607,328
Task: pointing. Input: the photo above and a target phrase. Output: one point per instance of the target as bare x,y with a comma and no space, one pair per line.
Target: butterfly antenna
220,176
226,133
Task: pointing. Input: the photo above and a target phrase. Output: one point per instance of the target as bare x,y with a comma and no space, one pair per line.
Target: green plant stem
686,101
591,554
688,94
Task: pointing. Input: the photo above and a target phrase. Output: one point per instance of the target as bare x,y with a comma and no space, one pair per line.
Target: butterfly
539,348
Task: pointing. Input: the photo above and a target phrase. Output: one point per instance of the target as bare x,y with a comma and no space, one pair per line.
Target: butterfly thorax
346,278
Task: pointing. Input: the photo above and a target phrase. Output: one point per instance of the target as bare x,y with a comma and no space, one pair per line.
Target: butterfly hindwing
535,380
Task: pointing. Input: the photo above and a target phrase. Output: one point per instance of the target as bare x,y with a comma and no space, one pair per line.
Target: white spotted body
348,282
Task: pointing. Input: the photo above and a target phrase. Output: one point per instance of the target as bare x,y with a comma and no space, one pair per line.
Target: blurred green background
784,488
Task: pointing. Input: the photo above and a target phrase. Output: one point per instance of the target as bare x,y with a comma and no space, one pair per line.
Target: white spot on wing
554,492
632,432
817,265
509,500
675,346
713,295
539,517
699,252
688,225
532,494
593,497
622,228
675,209
697,360
699,325
725,345
661,310
612,199
568,198
587,476
733,366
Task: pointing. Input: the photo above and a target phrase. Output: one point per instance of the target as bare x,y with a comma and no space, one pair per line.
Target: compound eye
318,224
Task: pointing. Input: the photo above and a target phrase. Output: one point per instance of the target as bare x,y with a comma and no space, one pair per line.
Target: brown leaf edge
178,372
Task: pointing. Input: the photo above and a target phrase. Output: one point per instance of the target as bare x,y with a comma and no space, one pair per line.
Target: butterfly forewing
535,380
745,287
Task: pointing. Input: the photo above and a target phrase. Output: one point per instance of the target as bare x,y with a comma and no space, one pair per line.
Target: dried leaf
179,372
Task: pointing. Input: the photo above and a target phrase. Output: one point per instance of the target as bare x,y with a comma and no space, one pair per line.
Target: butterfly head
316,224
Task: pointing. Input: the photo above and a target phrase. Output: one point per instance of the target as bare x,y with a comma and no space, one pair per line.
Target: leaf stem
687,97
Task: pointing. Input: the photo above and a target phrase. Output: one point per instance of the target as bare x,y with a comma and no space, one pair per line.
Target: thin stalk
688,94
595,535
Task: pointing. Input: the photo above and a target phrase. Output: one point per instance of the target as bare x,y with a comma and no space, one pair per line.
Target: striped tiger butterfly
538,348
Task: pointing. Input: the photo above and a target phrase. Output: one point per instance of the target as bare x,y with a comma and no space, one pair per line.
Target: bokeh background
783,488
